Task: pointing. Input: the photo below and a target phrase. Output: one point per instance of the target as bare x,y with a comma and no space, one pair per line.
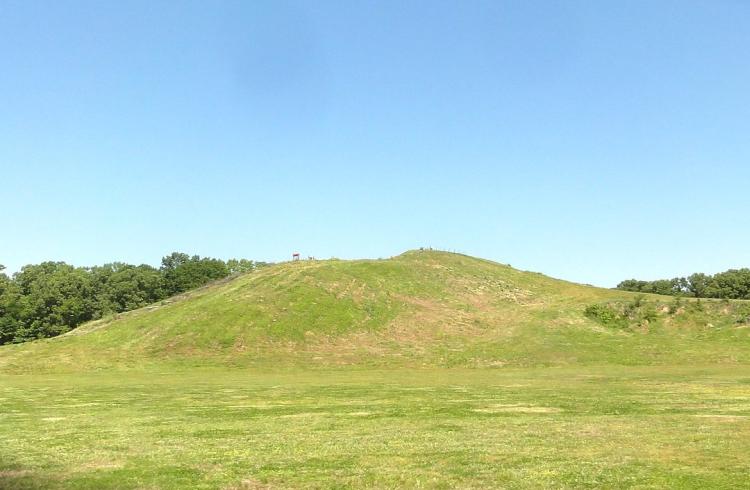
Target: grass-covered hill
422,308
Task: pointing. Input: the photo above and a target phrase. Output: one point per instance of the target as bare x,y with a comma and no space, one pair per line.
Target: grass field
433,428
428,370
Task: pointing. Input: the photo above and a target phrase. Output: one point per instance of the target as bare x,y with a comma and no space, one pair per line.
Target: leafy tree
8,308
55,297
123,287
182,272
632,285
239,266
698,284
731,284
661,286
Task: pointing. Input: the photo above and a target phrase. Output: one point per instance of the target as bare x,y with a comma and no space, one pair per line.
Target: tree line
51,298
731,284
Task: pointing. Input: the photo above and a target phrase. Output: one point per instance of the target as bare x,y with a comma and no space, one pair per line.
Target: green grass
428,370
515,428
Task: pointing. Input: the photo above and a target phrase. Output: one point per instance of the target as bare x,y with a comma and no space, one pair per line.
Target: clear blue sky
592,141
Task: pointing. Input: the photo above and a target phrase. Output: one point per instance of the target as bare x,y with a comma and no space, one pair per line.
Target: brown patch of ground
14,474
250,484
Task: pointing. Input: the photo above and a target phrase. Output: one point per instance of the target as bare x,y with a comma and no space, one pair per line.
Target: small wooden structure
295,256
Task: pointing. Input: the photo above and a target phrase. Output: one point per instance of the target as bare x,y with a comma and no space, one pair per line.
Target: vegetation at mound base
52,298
642,314
417,309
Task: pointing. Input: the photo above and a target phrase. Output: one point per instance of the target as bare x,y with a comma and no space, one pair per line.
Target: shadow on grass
12,478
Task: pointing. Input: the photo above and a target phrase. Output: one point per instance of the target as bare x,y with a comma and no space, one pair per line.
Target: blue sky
592,141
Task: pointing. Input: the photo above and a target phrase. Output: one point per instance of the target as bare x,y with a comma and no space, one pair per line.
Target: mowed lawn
608,427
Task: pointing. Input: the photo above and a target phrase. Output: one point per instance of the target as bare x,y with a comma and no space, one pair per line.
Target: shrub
648,313
606,315
675,306
743,315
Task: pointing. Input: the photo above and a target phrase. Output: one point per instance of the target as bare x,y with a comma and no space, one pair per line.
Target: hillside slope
420,308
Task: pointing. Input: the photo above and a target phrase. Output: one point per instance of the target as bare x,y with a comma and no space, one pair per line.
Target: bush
637,312
606,315
648,313
743,315
675,306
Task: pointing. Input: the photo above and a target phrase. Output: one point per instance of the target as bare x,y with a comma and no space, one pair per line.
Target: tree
632,285
55,297
240,266
123,287
698,284
8,308
182,272
731,284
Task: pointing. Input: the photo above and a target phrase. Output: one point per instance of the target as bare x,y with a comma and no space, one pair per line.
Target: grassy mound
422,308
